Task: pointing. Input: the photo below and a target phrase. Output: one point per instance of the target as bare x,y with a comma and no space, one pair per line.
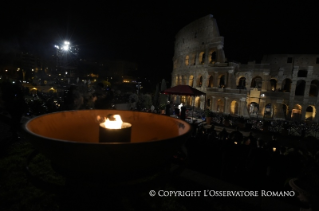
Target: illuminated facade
281,87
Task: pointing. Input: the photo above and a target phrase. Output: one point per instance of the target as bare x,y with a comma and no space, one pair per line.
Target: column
303,111
307,89
265,82
215,79
204,83
243,107
202,102
292,90
226,109
229,79
220,54
262,104
278,112
214,104
197,59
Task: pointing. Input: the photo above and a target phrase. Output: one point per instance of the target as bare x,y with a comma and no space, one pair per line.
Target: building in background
283,87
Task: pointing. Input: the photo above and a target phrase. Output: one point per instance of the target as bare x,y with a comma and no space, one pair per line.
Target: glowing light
6,70
114,124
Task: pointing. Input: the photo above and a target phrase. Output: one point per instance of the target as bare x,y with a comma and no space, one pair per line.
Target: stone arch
310,113
234,107
286,85
212,57
201,57
222,80
241,84
187,60
273,84
199,81
314,86
256,82
296,112
220,105
191,80
268,111
210,81
253,108
33,91
300,88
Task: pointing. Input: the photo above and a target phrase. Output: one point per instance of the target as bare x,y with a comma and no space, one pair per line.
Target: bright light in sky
66,47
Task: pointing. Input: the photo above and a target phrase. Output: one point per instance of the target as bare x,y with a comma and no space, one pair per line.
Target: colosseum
281,87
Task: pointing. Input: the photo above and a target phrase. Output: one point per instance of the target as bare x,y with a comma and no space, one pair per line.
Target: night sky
145,33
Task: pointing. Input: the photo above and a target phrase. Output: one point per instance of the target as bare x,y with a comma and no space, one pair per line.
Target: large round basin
70,140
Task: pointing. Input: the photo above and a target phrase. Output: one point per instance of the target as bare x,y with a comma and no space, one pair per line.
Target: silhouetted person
168,109
183,113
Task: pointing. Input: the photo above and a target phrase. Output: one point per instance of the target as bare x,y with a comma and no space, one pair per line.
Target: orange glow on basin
70,140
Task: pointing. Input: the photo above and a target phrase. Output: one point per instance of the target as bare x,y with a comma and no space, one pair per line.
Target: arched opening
234,107
313,92
310,113
220,105
256,82
242,83
253,108
302,73
191,80
199,81
190,100
202,57
183,99
300,88
212,58
268,111
197,102
222,81
187,60
210,81
296,112
194,59
286,85
273,84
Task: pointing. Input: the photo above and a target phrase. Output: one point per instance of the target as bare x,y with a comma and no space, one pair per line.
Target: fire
112,122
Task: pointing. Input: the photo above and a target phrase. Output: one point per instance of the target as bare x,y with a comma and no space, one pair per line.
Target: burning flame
114,123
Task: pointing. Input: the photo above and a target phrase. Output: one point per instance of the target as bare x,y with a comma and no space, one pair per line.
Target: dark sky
145,32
